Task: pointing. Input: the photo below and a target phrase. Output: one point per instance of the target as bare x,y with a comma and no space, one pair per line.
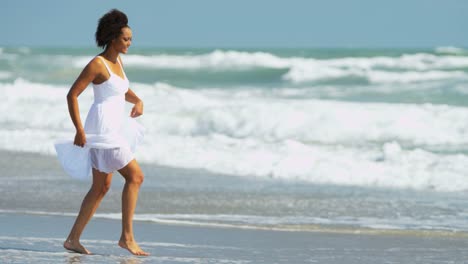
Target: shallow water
38,239
35,184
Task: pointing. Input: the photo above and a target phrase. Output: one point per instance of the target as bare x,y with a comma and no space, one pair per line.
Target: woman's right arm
89,73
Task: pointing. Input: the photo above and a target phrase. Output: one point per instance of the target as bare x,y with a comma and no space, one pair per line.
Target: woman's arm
137,109
88,74
131,97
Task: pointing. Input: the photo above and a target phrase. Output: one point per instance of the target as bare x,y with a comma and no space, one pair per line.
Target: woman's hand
137,109
80,138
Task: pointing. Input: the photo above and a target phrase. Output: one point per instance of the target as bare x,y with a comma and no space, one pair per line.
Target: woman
107,140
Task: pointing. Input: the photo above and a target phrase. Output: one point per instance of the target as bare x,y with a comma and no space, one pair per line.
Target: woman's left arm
137,109
131,97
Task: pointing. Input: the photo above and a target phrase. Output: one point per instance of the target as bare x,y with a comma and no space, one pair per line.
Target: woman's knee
136,178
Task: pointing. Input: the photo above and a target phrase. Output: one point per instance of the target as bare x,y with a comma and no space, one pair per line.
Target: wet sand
27,238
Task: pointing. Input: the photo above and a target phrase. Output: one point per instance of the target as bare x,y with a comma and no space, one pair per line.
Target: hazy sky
242,23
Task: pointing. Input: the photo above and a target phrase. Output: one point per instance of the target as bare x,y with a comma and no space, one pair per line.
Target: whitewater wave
309,74
246,134
406,68
450,50
239,59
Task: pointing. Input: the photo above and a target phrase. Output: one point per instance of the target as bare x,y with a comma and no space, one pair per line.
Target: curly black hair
110,27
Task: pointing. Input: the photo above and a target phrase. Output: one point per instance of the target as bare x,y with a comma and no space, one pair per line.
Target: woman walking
107,141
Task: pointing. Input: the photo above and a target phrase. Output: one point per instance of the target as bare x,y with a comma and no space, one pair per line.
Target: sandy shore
38,205
27,238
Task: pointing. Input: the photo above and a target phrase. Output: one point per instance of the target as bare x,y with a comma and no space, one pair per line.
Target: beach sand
38,205
38,239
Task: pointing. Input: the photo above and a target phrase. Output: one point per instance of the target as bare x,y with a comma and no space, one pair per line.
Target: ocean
303,140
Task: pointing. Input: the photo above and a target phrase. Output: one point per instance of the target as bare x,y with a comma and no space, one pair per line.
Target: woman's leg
100,186
133,180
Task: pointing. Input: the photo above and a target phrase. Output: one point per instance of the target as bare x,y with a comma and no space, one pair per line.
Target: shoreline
35,171
311,228
38,239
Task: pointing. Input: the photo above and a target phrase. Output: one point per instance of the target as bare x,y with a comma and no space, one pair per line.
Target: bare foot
75,246
133,247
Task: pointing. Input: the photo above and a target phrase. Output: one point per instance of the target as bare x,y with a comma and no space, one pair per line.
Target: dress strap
121,67
107,67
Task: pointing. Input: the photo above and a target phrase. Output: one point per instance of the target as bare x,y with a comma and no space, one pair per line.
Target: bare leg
133,180
100,186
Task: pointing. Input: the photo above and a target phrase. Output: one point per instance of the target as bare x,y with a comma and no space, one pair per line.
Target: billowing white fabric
111,135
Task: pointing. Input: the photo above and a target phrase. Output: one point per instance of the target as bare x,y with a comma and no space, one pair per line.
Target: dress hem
115,169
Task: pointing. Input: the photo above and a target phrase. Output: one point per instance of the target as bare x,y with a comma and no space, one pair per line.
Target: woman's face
123,42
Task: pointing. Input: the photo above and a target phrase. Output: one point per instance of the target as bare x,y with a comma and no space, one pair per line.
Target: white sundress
111,135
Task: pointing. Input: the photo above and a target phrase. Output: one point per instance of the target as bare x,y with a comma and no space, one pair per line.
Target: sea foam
318,141
406,68
449,50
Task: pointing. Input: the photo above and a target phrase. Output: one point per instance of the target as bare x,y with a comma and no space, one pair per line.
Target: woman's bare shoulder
95,65
96,62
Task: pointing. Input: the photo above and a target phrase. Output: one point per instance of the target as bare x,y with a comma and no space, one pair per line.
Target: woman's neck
110,55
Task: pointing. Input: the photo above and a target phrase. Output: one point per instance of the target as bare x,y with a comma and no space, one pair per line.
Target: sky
243,23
